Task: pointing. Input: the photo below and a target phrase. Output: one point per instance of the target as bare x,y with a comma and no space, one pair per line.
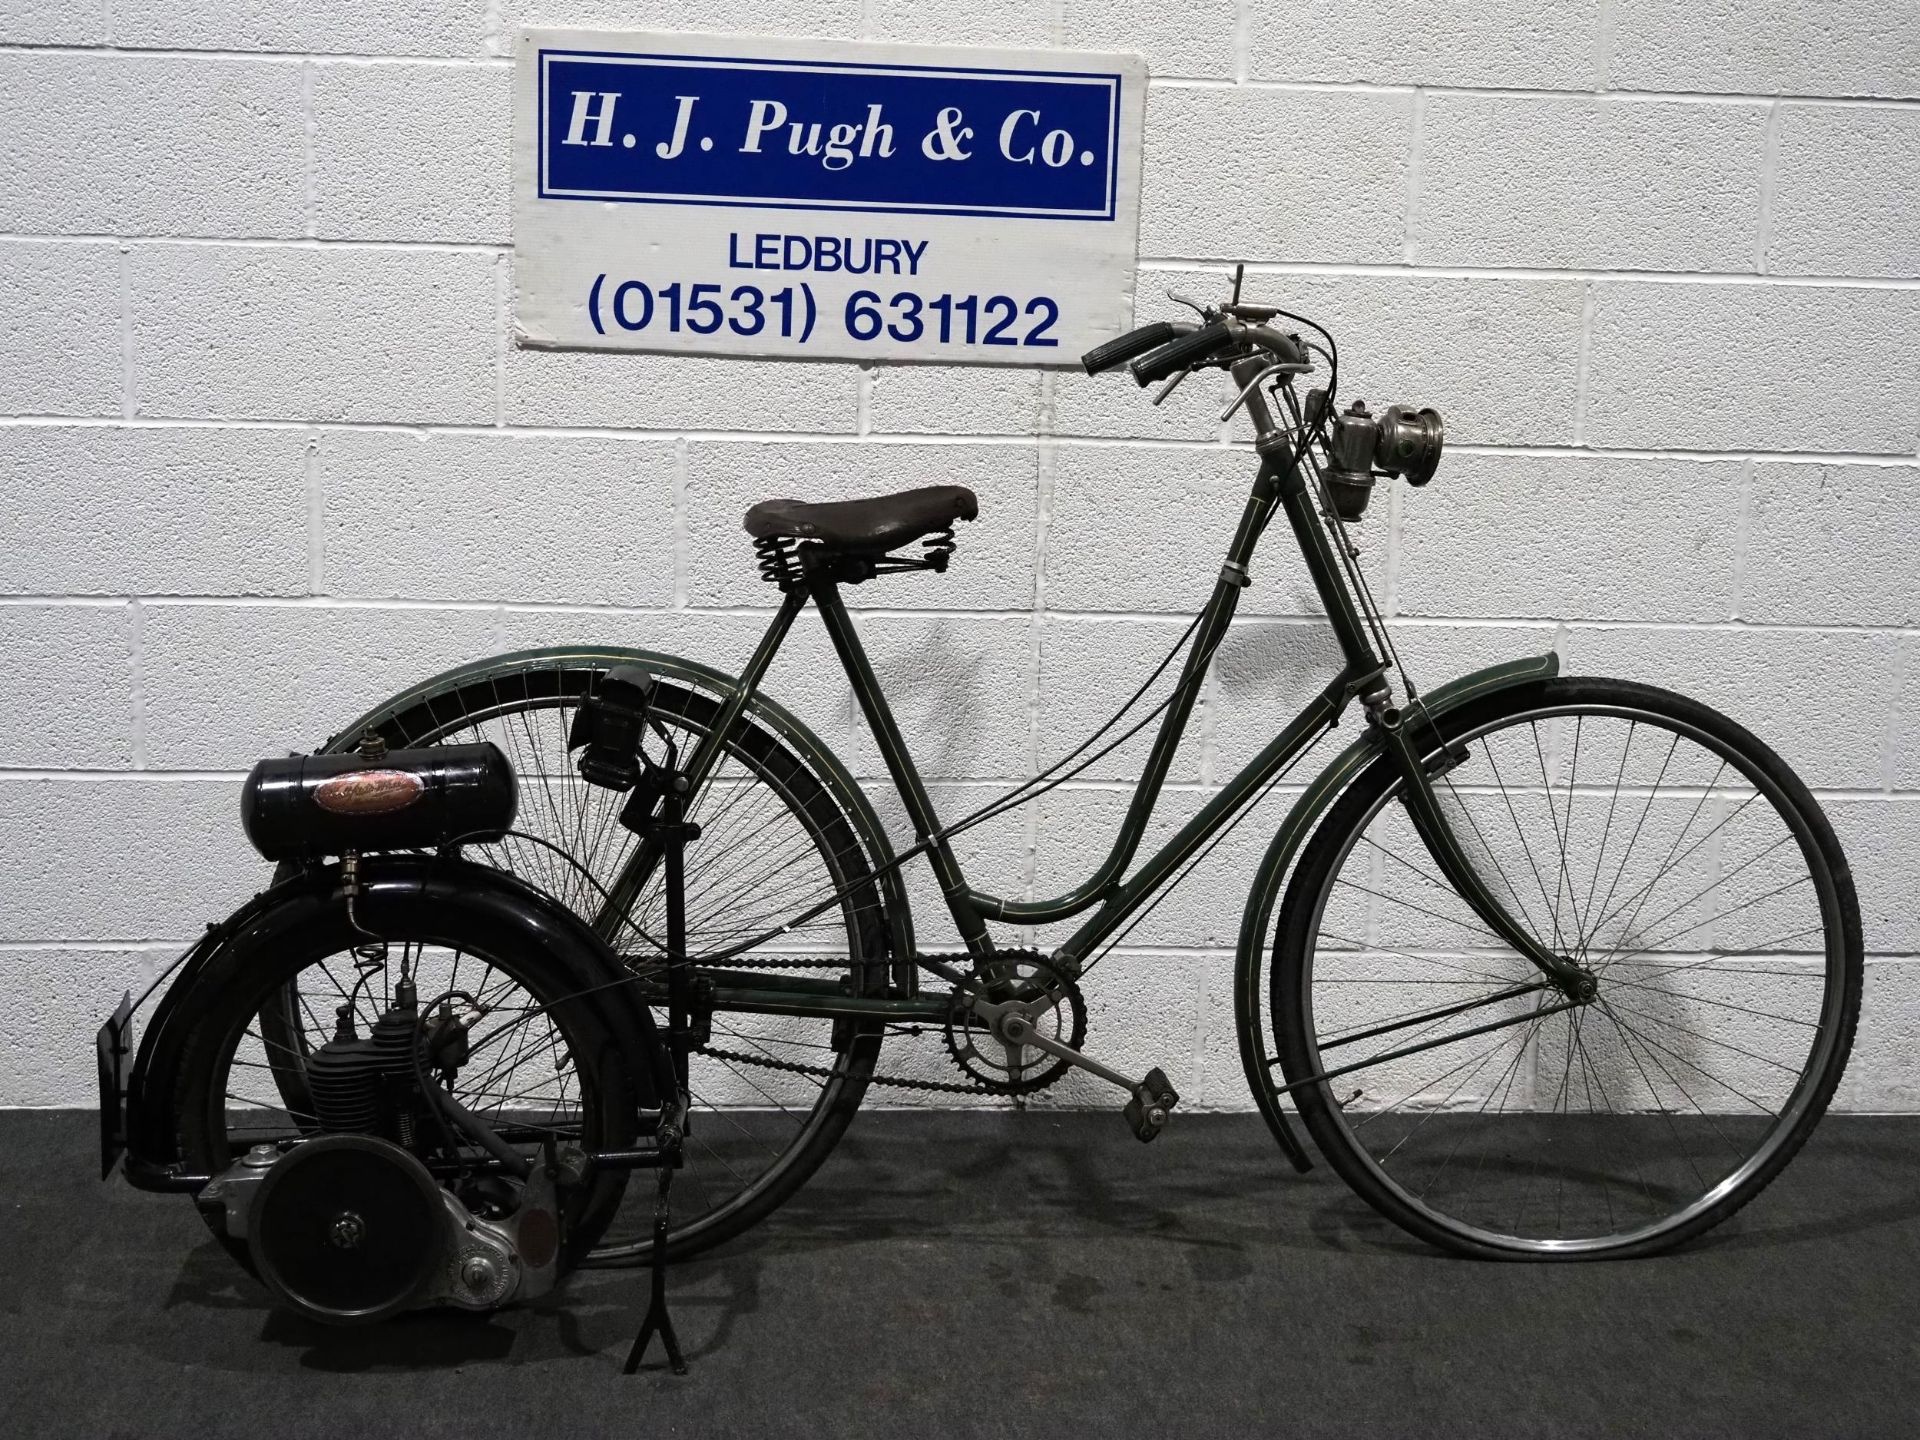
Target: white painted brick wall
266,453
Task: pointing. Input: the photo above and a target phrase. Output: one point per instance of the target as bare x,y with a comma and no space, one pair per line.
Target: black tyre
1667,850
771,1095
558,1052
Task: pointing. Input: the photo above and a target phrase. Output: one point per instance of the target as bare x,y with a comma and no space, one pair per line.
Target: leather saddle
865,527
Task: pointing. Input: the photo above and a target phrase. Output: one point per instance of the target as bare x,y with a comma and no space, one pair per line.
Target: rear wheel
1668,851
544,1058
771,1094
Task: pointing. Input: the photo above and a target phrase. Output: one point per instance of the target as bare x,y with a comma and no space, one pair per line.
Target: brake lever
1173,384
1194,305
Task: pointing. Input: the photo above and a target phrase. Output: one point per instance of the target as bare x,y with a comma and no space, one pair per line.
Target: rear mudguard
150,1129
775,717
1257,921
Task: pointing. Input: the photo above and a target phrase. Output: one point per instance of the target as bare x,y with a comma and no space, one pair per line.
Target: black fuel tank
306,806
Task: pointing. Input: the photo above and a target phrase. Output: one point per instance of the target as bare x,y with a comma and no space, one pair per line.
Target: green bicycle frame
1279,484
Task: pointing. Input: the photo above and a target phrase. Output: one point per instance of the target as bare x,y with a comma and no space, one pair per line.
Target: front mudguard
1257,920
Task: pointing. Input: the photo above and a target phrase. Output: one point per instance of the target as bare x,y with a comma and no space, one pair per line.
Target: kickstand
657,1317
672,832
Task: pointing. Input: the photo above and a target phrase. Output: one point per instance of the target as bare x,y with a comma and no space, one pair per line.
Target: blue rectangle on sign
821,135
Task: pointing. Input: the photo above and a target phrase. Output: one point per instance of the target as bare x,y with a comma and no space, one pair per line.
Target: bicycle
1497,1029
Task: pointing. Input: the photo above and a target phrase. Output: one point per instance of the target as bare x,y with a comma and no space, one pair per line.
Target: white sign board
728,195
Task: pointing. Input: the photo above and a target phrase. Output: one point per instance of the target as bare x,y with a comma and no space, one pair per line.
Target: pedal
1151,1106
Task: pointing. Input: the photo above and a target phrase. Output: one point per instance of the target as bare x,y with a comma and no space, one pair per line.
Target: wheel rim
756,1127
1605,1126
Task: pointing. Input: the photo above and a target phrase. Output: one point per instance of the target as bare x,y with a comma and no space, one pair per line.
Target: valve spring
777,565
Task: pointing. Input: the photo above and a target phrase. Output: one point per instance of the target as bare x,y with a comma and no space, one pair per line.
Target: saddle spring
937,549
776,559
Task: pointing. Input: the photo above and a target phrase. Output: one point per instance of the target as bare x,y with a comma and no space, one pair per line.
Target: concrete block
1881,837
1264,673
1236,174
837,18
499,517
59,839
1088,669
1146,530
1533,537
412,152
1842,47
98,511
1843,198
1739,367
955,400
228,684
336,334
1499,359
1809,694
26,22
58,999
1903,741
70,673
1111,405
1011,23
676,392
1195,40
960,691
60,342
1590,183
1394,42
151,145
1880,1078
337,27
1832,544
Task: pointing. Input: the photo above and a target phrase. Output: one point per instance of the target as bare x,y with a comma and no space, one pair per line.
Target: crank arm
1074,1057
1012,1023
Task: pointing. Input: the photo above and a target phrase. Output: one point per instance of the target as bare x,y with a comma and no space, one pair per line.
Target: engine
350,1225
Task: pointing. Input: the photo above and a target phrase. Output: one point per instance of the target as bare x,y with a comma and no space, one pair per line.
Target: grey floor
1009,1275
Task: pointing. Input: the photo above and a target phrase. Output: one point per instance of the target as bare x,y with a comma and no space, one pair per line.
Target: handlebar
1181,354
1166,347
1123,348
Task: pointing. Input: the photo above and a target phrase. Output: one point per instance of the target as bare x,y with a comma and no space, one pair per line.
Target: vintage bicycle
1549,967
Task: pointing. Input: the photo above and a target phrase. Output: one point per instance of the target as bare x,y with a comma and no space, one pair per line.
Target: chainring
1009,1069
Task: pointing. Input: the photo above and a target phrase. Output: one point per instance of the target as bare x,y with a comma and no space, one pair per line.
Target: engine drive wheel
551,1057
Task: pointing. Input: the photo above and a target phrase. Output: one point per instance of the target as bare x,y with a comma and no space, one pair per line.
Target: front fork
1561,971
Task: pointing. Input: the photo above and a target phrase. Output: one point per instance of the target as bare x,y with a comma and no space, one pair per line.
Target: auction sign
726,195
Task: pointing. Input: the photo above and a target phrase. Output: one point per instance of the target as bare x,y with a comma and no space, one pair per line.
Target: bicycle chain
828,1072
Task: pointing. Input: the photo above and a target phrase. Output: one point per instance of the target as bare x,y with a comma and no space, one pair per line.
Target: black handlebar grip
1180,354
1124,347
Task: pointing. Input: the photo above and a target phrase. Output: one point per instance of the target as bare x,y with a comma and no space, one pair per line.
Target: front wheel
1669,852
